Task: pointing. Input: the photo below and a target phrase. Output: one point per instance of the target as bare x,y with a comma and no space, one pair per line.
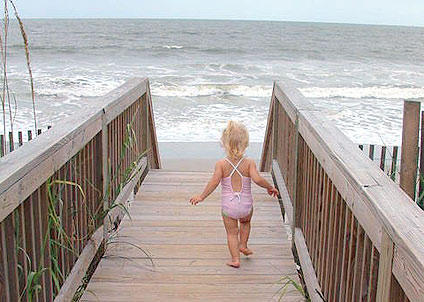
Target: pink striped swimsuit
236,204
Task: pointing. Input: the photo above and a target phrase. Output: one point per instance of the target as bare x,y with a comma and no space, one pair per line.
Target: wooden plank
164,233
11,142
12,261
383,158
152,130
106,161
331,240
73,281
371,152
385,269
125,96
187,292
124,196
393,170
409,155
20,139
365,271
266,156
2,145
288,207
421,165
309,276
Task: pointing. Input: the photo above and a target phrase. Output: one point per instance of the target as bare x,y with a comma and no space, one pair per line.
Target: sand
197,156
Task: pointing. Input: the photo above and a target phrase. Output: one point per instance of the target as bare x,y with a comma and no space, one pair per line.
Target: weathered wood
187,246
11,142
73,281
2,146
152,131
366,191
421,166
409,155
371,152
123,97
20,139
309,276
50,151
66,160
383,157
266,157
393,170
288,207
124,196
385,269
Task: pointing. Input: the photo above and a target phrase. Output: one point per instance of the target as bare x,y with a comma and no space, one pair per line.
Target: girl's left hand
195,199
273,191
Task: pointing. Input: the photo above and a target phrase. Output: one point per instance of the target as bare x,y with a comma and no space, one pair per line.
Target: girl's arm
210,187
260,181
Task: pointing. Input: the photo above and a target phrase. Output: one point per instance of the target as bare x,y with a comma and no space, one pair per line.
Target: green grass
285,284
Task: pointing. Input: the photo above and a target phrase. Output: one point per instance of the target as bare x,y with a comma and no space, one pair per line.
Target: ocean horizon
205,72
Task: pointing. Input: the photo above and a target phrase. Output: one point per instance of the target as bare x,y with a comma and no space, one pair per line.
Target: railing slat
12,267
385,269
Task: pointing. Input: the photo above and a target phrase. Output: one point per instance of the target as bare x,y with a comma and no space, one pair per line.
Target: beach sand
197,156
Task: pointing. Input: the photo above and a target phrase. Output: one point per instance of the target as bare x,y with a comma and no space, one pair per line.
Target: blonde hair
235,139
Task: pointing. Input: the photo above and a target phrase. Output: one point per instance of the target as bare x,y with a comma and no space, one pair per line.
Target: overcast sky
402,12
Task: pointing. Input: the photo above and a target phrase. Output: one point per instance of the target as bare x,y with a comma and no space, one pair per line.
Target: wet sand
197,156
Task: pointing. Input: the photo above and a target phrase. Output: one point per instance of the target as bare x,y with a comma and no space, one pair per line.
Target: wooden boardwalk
187,245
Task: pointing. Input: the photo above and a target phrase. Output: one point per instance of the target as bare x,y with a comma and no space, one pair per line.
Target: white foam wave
172,46
212,89
380,92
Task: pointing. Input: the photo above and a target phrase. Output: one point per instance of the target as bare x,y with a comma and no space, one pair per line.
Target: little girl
235,173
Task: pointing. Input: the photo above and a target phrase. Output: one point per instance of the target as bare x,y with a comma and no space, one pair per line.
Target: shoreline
198,156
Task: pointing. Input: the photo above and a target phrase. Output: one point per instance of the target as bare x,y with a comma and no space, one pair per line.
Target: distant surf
203,73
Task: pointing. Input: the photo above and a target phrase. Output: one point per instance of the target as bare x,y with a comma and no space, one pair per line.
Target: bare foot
246,251
235,264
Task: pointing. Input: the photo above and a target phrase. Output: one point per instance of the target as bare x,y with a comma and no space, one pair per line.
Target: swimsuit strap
235,167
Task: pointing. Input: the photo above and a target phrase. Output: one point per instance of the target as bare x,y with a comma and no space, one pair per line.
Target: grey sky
407,12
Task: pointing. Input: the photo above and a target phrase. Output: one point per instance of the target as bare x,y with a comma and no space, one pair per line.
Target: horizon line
218,19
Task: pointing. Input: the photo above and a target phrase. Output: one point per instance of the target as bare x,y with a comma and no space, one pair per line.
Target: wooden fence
358,236
9,144
60,194
385,157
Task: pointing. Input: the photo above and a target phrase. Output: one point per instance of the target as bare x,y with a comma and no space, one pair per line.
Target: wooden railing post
151,131
297,183
145,124
2,146
409,156
385,268
105,175
421,168
275,131
266,156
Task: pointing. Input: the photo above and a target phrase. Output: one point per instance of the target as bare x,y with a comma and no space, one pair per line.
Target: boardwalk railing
358,236
61,192
10,144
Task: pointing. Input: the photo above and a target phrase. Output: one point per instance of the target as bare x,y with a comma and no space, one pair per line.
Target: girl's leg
244,234
231,226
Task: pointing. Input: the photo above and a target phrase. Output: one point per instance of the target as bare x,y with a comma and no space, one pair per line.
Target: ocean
205,72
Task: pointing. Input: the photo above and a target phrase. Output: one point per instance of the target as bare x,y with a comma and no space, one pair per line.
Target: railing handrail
23,171
376,201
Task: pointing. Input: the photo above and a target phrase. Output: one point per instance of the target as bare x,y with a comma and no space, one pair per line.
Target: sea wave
380,92
172,46
212,89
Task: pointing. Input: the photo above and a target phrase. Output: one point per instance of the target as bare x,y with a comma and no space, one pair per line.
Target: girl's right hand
195,199
272,191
